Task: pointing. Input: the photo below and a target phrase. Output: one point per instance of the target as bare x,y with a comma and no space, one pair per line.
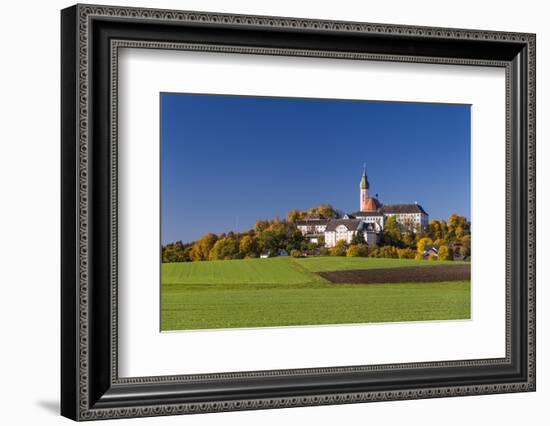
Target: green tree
269,240
359,238
175,252
408,238
225,248
294,240
392,233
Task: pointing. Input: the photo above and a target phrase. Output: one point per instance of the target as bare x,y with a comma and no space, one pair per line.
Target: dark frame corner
90,37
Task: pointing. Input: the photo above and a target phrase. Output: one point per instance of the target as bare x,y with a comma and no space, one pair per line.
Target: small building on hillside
312,227
431,250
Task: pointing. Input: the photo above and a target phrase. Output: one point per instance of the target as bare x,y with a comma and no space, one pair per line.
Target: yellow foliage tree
445,253
357,250
201,248
248,245
339,249
422,243
406,253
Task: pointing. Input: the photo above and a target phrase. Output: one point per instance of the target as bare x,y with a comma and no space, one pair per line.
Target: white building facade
347,229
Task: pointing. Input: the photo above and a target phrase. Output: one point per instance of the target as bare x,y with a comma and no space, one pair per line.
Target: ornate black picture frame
91,37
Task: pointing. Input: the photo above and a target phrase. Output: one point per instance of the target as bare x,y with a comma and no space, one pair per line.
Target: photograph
279,211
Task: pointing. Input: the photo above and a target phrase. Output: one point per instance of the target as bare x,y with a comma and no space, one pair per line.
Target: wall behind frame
30,225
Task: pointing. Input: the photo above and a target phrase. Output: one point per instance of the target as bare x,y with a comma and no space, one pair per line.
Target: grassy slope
283,291
277,270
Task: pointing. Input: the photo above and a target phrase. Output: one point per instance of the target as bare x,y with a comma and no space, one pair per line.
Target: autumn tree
444,230
357,250
248,246
295,215
435,230
261,225
422,243
465,245
326,211
406,253
339,249
385,251
439,242
458,227
201,248
445,253
390,252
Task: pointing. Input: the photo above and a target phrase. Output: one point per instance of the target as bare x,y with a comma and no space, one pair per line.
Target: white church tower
363,191
366,203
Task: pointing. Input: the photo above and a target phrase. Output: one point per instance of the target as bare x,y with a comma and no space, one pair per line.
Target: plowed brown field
406,274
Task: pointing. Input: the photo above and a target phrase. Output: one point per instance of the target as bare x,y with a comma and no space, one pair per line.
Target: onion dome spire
364,180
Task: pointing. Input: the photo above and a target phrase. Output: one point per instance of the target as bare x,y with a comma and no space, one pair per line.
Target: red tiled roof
371,205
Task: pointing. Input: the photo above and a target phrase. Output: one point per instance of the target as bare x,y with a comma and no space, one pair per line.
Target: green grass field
284,291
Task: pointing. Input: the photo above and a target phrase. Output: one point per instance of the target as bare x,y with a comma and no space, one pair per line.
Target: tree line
396,241
266,236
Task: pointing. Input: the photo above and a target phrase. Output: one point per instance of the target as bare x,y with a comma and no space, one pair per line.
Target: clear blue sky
228,161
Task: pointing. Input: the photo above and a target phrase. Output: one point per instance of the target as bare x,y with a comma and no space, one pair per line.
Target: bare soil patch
405,274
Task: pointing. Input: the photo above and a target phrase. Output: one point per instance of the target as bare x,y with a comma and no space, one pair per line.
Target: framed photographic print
263,212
